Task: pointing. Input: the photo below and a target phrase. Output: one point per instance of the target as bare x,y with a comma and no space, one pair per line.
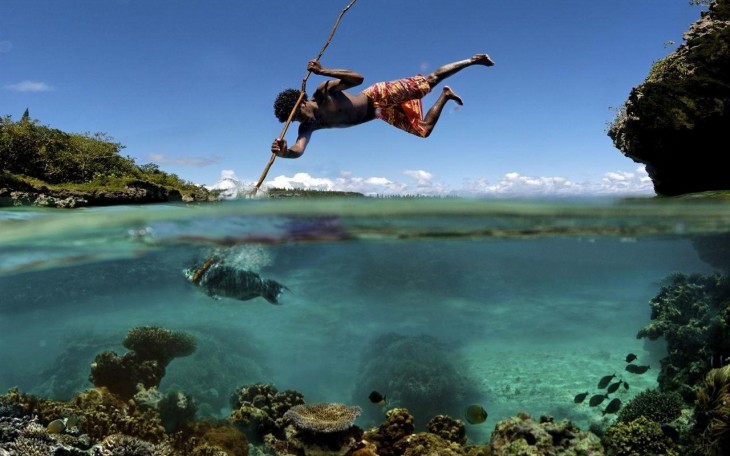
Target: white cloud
514,184
421,182
198,162
29,86
420,175
302,181
636,182
228,174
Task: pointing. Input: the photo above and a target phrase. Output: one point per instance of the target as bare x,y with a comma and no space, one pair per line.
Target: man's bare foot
483,59
450,95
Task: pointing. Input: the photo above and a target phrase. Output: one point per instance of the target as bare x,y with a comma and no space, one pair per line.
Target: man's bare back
332,107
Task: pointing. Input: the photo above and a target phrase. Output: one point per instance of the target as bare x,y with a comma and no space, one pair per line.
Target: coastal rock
138,192
675,122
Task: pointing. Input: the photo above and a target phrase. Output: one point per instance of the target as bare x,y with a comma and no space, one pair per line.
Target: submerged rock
523,435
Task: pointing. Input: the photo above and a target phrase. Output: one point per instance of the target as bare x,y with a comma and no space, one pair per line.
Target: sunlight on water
515,305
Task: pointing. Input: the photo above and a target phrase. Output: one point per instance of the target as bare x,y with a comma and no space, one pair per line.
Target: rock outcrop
138,192
676,122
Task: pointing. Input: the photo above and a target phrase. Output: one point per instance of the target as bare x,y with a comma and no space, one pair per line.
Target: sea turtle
219,279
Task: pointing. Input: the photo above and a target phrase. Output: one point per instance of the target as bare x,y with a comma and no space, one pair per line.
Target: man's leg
443,72
433,114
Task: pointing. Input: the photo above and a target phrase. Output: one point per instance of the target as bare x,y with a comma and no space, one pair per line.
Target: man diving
396,102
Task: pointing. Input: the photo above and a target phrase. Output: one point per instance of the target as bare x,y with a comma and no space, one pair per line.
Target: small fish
56,427
613,387
670,432
580,397
612,406
597,399
220,279
630,357
72,421
377,398
475,414
626,386
634,369
604,381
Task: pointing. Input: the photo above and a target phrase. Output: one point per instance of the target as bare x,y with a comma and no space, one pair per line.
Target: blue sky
189,85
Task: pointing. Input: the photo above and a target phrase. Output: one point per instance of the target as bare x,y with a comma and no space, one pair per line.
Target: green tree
42,153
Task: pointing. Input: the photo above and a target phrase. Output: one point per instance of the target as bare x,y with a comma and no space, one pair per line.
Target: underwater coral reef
127,412
692,314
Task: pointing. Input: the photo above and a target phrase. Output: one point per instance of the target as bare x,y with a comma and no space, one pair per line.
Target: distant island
304,193
44,166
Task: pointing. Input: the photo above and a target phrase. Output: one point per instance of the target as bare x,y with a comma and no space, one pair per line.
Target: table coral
323,417
159,344
152,349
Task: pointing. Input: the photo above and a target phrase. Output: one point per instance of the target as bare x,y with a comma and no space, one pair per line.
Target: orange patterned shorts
399,102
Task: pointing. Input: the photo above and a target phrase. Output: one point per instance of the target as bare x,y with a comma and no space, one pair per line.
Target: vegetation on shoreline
302,193
34,156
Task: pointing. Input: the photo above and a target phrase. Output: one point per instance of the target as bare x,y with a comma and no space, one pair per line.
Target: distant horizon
421,183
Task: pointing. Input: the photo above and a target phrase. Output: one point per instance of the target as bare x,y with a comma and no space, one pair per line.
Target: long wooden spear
301,97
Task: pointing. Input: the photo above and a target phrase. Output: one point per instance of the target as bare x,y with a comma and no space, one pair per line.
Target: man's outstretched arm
280,149
343,79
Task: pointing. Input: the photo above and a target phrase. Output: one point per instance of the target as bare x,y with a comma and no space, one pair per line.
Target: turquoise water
516,305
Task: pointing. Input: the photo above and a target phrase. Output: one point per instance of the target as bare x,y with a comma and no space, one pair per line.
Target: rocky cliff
678,121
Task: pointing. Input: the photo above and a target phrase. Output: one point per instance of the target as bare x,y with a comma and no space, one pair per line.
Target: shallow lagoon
520,305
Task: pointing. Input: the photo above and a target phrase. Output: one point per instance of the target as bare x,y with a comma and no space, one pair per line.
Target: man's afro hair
285,102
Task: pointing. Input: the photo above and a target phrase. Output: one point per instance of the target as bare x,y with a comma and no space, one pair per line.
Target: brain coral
640,437
448,429
654,405
323,417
